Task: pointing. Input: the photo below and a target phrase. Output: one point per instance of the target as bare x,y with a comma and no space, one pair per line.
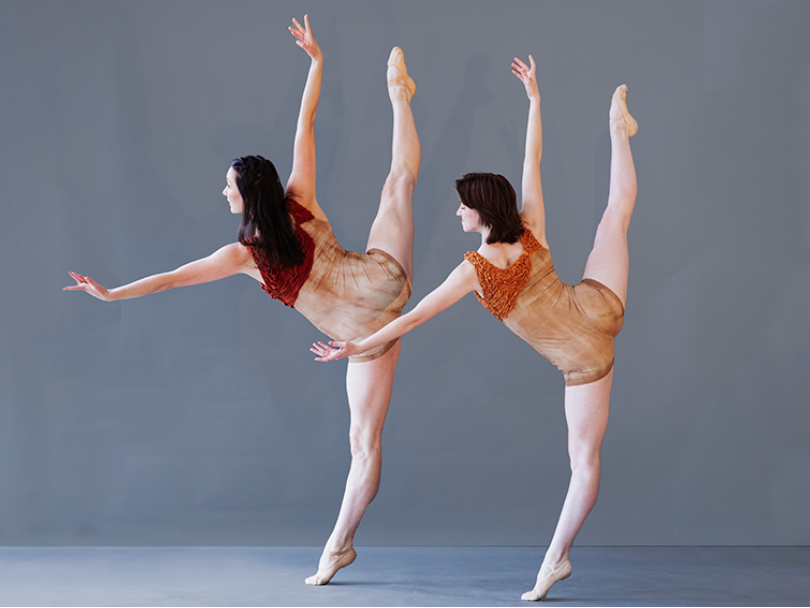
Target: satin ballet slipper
335,562
398,73
558,573
619,100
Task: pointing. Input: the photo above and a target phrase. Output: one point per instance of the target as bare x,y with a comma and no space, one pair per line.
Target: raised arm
459,283
532,209
301,184
224,262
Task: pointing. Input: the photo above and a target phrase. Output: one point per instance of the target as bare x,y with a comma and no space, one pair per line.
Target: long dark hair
493,197
266,222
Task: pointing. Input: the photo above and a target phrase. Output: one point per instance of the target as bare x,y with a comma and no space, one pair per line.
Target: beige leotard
350,295
345,294
572,326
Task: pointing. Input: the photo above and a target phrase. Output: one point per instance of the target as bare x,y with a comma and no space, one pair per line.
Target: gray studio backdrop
198,416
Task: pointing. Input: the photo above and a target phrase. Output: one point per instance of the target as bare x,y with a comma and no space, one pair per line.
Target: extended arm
459,283
532,209
224,262
301,184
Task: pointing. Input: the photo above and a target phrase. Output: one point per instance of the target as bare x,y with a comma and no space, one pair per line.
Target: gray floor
401,576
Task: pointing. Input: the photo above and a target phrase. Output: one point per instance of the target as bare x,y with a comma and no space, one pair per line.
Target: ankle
619,128
399,93
338,545
554,559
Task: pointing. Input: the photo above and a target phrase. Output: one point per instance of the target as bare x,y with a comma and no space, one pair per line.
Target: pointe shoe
398,73
620,100
336,562
558,573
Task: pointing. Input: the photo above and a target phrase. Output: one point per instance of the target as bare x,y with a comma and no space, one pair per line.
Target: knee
363,446
622,201
586,466
399,183
615,219
367,453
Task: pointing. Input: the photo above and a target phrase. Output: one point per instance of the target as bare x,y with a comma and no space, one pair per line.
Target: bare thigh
609,261
586,411
369,385
392,230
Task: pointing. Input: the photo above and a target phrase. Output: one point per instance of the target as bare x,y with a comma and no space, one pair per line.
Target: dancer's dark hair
493,197
266,222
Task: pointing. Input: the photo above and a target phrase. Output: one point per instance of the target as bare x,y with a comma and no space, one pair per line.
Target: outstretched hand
326,353
88,285
305,39
526,74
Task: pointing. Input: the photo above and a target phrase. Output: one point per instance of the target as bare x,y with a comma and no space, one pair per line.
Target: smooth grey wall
198,416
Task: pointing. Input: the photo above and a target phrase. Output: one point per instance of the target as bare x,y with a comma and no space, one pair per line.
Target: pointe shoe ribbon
398,73
620,99
336,561
558,573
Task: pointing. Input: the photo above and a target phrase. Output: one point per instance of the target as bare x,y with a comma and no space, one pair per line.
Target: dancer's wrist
357,347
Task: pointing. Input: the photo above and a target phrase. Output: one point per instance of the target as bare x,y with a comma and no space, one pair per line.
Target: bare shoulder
465,269
466,276
235,255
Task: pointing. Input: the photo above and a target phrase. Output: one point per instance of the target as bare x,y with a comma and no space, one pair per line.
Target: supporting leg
368,385
586,411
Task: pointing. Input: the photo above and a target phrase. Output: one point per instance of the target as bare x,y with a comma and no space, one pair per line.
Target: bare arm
532,208
459,283
224,262
301,184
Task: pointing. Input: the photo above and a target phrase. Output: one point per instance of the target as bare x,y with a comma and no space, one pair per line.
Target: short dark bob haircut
493,197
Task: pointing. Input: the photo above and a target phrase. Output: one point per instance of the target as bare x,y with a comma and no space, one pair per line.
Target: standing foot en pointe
619,113
331,562
552,575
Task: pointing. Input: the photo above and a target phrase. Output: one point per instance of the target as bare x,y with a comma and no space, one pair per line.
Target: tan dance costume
572,326
345,294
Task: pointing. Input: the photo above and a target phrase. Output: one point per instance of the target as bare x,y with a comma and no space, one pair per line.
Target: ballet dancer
286,243
513,277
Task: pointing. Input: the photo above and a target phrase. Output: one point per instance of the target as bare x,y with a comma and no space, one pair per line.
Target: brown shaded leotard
345,294
572,326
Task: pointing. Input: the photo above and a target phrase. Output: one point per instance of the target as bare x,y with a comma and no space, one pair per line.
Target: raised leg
609,260
368,385
392,230
586,411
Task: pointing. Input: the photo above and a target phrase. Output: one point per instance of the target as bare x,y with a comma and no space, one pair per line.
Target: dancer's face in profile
470,220
231,192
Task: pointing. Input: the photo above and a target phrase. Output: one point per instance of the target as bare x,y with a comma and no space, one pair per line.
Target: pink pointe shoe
335,561
398,73
558,573
619,100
